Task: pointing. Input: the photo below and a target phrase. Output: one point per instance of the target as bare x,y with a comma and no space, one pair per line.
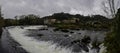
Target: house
52,21
49,21
72,20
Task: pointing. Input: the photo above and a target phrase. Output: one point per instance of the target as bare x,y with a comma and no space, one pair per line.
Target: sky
12,8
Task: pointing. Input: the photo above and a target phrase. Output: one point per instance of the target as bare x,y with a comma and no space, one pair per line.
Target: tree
112,40
110,7
30,20
1,21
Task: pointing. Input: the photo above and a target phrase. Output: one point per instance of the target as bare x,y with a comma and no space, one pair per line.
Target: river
35,39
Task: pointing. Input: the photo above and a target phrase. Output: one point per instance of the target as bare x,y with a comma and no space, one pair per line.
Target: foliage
96,43
30,19
94,22
112,40
1,22
10,22
1,19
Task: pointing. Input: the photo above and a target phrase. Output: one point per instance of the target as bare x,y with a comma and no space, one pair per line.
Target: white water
32,45
34,27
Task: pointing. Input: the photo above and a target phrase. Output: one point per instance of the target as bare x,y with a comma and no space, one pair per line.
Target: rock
22,27
71,32
81,45
65,30
86,40
84,47
66,35
56,29
40,35
79,33
0,32
75,41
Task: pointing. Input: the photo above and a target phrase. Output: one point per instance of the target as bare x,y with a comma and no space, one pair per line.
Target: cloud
12,8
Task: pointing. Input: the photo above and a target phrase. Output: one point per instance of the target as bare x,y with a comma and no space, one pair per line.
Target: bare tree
110,7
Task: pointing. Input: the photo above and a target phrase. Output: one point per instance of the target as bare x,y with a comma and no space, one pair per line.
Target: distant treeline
24,20
36,20
59,19
87,22
94,21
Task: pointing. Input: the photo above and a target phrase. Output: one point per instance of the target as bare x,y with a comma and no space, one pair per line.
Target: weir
16,40
9,44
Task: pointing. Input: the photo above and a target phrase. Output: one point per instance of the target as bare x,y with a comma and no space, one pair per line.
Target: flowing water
30,39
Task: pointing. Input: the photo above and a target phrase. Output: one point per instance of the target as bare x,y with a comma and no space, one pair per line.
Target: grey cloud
12,8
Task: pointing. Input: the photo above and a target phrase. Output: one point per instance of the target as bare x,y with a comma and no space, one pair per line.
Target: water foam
32,45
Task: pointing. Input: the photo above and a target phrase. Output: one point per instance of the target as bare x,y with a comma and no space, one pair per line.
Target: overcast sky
11,8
